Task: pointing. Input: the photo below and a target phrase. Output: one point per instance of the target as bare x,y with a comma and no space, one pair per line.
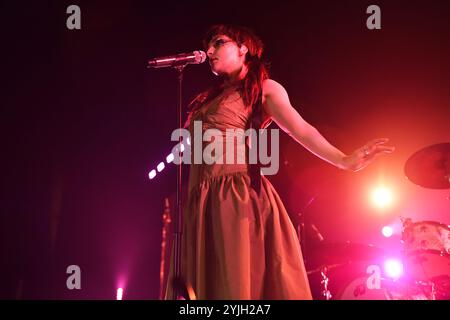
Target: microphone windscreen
200,56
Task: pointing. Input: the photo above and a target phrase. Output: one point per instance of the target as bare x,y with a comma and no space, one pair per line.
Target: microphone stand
177,283
177,231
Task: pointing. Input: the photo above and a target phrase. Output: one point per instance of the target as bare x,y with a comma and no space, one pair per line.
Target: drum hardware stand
301,228
166,222
427,284
406,222
326,293
300,231
433,290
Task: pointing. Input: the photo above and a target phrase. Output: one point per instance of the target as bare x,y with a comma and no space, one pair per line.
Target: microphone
195,57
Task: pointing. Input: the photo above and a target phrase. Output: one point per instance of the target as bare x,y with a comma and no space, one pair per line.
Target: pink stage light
382,197
119,294
393,268
152,174
387,231
160,166
169,158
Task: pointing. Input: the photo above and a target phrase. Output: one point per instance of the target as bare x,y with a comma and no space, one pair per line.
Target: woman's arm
276,104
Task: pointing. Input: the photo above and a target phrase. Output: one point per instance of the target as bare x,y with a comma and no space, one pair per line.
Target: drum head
426,265
426,235
360,289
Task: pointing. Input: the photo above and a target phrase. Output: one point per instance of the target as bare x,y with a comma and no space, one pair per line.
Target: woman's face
225,56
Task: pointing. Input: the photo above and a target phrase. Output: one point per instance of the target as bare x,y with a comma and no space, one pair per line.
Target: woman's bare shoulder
272,87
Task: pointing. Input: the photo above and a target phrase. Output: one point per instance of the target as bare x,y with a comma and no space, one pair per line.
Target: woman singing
238,240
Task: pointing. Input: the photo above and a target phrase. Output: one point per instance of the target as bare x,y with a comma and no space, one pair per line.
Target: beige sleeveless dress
237,243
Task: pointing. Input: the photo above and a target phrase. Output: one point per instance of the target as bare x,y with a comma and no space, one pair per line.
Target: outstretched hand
363,156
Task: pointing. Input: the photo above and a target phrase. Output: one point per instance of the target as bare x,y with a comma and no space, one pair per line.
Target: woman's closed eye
220,42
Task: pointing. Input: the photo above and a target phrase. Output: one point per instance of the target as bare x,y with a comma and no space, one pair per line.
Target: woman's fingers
385,149
378,141
378,146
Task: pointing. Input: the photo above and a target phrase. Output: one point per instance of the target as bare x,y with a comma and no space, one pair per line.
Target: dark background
84,121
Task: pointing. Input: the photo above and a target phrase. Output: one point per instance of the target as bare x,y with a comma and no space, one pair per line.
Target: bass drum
427,265
345,265
427,249
360,289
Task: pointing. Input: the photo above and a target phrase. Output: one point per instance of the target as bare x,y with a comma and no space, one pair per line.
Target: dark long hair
251,86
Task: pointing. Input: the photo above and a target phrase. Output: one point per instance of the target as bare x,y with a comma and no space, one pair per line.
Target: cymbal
430,167
334,253
326,267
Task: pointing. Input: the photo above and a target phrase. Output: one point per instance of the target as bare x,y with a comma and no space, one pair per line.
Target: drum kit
352,271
